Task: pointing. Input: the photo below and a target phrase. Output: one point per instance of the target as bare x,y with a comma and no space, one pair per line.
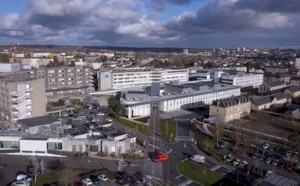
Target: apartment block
65,80
127,79
22,97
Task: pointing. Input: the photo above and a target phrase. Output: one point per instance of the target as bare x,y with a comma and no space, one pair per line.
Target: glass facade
9,144
54,146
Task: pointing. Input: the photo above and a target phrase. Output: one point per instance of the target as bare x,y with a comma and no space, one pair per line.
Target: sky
261,24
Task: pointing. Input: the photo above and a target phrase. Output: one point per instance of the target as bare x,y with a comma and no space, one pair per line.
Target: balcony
19,93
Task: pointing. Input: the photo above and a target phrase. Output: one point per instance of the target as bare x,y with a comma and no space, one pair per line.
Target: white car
236,162
102,177
245,162
108,119
268,173
267,145
23,177
20,183
100,114
87,181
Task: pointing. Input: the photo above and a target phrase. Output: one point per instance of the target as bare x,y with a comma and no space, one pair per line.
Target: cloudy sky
152,23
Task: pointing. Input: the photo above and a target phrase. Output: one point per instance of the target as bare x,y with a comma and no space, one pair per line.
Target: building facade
244,81
175,97
22,97
271,87
65,79
128,79
229,109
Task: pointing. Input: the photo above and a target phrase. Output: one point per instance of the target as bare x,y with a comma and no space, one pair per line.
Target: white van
198,158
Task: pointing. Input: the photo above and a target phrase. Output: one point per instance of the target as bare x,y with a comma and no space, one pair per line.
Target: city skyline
152,23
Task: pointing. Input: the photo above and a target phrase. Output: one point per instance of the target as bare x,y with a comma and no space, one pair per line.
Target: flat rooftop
156,99
36,121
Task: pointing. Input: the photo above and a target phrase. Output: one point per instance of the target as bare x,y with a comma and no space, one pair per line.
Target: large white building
174,97
126,79
231,77
244,81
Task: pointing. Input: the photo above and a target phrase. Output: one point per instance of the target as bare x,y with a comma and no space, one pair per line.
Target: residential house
295,80
261,103
293,91
271,87
230,109
284,77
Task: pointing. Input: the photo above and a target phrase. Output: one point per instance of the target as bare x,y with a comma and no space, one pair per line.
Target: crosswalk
183,138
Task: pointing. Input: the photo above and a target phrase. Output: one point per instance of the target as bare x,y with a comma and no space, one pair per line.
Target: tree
66,176
114,107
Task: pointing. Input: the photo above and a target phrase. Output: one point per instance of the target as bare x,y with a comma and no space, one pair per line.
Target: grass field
139,127
168,129
202,175
46,179
273,126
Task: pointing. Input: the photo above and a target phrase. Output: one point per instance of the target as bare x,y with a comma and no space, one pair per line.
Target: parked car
100,114
268,160
94,179
77,183
139,176
268,173
23,177
281,164
290,167
266,146
275,162
236,162
87,181
123,179
109,119
102,177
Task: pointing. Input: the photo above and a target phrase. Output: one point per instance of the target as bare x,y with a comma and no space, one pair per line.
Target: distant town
75,115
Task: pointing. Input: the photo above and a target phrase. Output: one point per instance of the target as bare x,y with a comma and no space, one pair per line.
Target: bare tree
66,176
42,166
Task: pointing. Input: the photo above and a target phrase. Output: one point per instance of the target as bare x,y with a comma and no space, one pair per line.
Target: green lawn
168,129
45,179
202,175
288,124
133,125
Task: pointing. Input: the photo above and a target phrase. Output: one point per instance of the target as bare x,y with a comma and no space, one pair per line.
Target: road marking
153,138
184,145
153,145
178,176
215,167
169,151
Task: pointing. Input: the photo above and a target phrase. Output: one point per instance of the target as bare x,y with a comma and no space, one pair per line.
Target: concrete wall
33,146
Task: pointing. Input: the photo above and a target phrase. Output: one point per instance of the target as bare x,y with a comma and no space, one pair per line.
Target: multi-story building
65,79
230,108
174,97
9,67
22,97
246,81
275,70
231,77
126,79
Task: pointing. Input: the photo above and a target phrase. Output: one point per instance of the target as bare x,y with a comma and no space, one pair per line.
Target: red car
161,157
77,183
290,167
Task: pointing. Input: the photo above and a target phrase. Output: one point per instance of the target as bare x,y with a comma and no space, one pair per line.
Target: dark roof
295,78
283,75
232,101
35,138
294,89
293,107
278,96
262,100
276,83
136,92
36,121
